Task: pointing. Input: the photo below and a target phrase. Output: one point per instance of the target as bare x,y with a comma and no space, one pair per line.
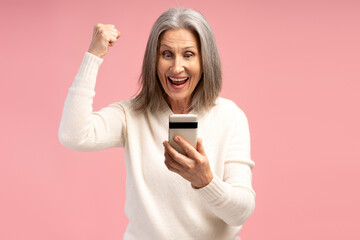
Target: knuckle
200,161
106,38
187,149
188,167
175,155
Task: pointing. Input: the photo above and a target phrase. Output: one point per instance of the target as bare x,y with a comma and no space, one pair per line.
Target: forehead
179,38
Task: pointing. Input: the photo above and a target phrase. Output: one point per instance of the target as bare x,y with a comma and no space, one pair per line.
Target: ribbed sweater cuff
213,191
88,70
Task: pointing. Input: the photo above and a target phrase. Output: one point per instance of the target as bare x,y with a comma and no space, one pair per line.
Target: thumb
199,147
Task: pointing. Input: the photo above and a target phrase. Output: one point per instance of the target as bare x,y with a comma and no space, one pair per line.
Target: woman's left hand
194,166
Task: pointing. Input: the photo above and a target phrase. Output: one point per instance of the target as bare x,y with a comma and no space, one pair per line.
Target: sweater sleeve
81,129
232,198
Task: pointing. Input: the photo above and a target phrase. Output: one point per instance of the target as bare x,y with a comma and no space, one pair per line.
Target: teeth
178,79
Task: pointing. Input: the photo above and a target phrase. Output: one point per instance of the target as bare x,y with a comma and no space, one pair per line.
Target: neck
180,110
179,106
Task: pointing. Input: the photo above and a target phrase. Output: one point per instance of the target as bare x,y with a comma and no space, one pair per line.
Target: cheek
161,76
197,72
158,68
161,69
196,68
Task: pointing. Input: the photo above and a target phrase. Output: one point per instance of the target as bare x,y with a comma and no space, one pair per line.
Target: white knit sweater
160,204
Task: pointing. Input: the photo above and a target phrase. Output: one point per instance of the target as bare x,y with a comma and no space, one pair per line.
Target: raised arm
81,129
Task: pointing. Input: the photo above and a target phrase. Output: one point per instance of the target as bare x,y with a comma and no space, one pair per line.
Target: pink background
292,66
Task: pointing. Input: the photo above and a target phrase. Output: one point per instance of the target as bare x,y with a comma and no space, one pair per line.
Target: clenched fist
104,36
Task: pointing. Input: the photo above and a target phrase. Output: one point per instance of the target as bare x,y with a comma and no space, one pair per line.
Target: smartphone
184,125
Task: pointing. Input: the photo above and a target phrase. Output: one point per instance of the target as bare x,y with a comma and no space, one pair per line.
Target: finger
171,163
200,147
113,31
171,168
109,25
112,40
188,149
175,155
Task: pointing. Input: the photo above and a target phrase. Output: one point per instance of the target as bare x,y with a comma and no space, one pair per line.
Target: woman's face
179,65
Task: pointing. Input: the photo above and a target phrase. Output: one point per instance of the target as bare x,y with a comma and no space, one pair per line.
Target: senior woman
203,194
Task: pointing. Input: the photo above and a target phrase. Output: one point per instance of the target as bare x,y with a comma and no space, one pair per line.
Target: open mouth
178,81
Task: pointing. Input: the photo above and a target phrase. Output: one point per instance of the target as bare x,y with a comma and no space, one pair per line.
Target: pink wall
292,66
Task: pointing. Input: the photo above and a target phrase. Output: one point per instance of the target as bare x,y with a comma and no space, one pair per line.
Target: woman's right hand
104,36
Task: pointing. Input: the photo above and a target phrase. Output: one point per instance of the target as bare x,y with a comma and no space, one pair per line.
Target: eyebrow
164,45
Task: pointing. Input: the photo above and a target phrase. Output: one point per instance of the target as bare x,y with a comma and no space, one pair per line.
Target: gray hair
207,90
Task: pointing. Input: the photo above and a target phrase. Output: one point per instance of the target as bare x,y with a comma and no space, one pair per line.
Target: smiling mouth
178,81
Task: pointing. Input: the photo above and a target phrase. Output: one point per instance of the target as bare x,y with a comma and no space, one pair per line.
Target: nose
177,66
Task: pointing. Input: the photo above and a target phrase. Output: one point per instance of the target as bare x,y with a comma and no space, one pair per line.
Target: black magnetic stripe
183,124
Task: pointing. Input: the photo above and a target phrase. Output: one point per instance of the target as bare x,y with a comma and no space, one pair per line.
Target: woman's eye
189,55
166,54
